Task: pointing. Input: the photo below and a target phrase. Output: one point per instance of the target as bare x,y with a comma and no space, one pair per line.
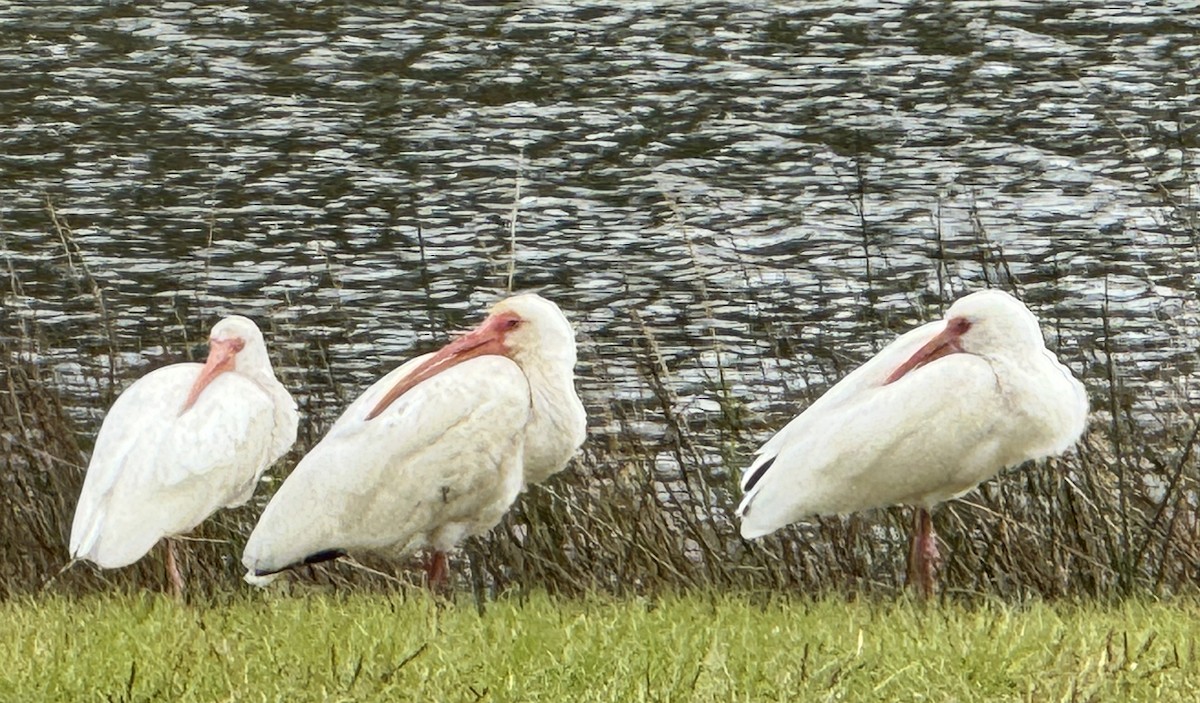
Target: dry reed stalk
1088,524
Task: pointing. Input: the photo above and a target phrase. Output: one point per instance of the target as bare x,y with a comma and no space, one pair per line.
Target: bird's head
534,330
526,328
988,323
235,343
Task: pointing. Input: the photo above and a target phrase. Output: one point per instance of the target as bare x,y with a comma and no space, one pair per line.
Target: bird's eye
512,324
235,344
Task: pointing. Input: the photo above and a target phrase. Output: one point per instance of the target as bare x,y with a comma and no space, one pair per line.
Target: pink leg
438,570
923,556
173,570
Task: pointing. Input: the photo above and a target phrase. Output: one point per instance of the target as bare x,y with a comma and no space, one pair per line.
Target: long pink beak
945,343
487,338
221,353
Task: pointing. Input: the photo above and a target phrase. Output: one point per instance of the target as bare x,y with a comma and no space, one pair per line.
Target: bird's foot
438,571
931,562
173,574
924,557
930,554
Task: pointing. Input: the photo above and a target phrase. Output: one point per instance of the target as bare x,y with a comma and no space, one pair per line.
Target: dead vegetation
636,512
1116,516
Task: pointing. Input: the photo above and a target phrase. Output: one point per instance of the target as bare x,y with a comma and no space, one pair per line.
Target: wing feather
870,375
155,472
441,462
841,460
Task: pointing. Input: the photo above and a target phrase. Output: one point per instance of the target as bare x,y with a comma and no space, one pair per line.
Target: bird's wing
932,434
357,411
870,375
442,461
155,472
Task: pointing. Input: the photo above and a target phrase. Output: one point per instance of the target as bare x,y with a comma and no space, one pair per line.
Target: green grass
539,648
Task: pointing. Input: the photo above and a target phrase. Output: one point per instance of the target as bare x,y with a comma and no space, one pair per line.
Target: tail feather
323,555
751,484
756,471
261,577
260,580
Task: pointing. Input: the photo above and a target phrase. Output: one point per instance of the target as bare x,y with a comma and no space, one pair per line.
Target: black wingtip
757,475
316,558
326,555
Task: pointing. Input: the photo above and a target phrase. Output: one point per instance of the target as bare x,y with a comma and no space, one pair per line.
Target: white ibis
941,409
180,443
435,451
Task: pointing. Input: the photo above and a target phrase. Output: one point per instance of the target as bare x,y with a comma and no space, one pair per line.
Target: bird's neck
1048,395
558,422
263,375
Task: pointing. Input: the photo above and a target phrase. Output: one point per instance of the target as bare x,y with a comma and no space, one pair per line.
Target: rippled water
745,199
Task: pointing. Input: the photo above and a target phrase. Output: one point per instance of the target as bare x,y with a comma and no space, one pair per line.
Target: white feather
442,462
446,459
156,471
931,435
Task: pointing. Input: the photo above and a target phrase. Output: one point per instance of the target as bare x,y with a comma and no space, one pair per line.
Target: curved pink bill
487,338
221,355
945,343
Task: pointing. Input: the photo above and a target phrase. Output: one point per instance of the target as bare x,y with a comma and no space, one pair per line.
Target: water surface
742,200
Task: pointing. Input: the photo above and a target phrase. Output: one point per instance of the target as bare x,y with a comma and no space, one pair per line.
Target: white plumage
941,409
160,467
435,451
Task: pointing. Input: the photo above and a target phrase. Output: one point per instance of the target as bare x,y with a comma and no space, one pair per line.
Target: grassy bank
679,648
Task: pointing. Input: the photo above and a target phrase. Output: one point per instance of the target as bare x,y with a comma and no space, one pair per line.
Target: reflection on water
760,194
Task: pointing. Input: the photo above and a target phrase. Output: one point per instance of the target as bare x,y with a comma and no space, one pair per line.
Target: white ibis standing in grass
180,443
941,409
435,451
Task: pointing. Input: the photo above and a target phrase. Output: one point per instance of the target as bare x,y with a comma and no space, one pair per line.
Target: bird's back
925,438
941,409
155,472
441,462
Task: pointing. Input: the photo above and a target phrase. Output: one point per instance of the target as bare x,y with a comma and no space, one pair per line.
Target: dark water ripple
759,193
